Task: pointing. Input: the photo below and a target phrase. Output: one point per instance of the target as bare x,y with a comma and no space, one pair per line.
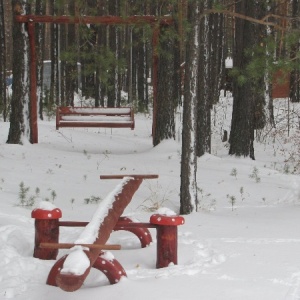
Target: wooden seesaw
70,271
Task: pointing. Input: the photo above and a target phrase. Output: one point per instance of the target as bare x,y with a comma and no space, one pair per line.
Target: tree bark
19,118
211,64
54,86
168,88
3,101
40,9
242,124
188,184
295,74
71,62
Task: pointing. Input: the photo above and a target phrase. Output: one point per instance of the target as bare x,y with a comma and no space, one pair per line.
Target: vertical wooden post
155,40
46,231
166,238
33,88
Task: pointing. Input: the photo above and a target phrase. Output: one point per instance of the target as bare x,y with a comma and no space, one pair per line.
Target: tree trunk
112,86
40,9
168,87
242,124
71,62
54,55
3,102
269,108
295,74
20,103
188,185
204,93
211,64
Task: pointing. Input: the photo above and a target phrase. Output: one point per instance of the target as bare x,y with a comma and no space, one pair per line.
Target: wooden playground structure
155,22
63,275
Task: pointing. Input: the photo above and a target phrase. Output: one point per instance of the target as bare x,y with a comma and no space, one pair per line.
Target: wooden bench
121,117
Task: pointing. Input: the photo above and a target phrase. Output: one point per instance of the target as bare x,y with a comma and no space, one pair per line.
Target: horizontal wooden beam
136,176
105,20
119,226
70,245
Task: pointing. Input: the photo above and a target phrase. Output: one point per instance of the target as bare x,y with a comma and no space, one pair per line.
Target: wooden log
71,245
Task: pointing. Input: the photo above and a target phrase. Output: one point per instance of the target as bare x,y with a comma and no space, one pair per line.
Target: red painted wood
105,20
71,245
106,111
166,220
166,246
143,234
46,214
95,124
33,84
166,238
124,117
72,282
112,269
46,231
281,85
155,60
72,223
51,280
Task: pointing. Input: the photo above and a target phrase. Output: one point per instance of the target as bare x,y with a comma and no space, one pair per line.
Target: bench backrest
108,111
120,117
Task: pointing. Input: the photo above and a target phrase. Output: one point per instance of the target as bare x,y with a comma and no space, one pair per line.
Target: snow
45,205
244,242
76,263
90,232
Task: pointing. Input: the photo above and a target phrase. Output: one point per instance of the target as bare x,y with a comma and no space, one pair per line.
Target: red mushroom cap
166,220
43,214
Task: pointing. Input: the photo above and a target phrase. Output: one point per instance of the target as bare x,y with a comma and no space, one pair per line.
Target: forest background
105,62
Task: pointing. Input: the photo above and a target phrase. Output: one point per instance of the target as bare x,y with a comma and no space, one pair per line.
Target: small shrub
23,193
254,175
234,172
155,200
232,201
242,193
92,200
25,199
205,201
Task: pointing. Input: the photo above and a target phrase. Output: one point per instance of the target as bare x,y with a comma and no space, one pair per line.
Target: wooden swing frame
31,20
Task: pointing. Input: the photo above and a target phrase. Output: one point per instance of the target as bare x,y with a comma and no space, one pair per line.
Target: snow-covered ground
244,243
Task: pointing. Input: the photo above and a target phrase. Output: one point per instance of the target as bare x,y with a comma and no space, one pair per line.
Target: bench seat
122,117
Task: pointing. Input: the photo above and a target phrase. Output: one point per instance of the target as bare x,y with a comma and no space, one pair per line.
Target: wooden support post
166,238
33,85
155,60
46,231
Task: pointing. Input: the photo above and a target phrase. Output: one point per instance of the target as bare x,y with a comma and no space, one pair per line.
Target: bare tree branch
247,18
